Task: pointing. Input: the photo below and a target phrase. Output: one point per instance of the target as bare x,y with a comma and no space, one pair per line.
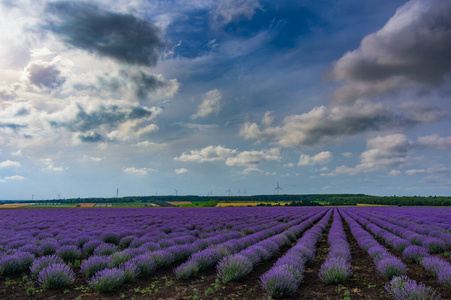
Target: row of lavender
408,243
141,242
137,242
391,267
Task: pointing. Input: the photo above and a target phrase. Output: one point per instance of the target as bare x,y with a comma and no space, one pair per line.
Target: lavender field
226,253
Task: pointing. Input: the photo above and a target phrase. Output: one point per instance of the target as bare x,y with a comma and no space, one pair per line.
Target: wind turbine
230,191
239,192
176,192
278,188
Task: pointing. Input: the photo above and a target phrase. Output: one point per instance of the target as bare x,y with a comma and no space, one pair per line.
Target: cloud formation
9,164
231,157
122,37
228,11
211,103
137,171
413,48
383,152
321,158
434,141
323,124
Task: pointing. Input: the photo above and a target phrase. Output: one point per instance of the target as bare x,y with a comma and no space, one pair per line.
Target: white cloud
15,177
383,152
324,124
138,171
207,154
415,172
394,173
180,171
320,158
9,164
233,10
288,165
253,158
268,119
93,158
347,154
231,157
434,141
54,169
211,104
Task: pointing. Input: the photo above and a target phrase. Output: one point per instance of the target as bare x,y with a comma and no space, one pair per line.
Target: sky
203,96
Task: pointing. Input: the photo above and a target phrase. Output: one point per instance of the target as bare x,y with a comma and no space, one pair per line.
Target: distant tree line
295,200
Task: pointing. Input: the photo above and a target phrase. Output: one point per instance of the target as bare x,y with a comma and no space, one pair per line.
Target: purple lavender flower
108,279
335,271
444,277
42,262
69,252
234,267
94,264
186,270
118,258
400,244
206,258
390,267
377,252
131,271
55,276
14,263
105,249
415,253
90,246
434,264
111,238
434,245
279,282
126,241
48,247
402,288
145,263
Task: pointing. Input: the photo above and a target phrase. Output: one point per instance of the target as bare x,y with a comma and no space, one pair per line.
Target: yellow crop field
13,205
84,205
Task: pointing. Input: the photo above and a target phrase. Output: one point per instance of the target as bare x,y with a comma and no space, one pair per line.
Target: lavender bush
234,267
444,277
415,253
186,270
42,262
108,279
434,264
279,282
402,288
335,271
145,263
55,276
69,252
15,263
94,264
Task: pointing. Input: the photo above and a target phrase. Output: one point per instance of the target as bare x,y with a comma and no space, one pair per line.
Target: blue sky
202,96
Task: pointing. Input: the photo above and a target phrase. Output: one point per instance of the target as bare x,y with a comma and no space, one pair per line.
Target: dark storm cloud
413,47
119,36
104,115
139,83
